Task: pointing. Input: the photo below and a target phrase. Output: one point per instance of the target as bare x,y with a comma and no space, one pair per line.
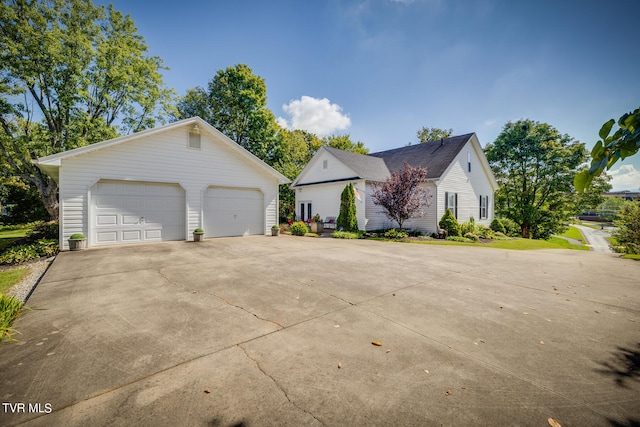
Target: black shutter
456,212
480,214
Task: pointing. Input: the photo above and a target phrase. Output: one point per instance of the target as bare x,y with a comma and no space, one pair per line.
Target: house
161,184
459,178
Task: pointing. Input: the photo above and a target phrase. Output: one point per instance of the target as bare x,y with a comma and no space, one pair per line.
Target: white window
194,140
451,202
484,202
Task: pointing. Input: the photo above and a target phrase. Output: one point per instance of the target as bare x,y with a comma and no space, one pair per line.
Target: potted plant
316,224
198,234
275,230
77,242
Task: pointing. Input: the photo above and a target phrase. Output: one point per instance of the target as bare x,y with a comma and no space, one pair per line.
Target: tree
534,165
610,208
71,74
593,196
427,134
235,103
627,232
343,142
401,195
623,143
347,219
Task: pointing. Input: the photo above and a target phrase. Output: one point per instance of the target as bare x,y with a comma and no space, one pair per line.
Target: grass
10,308
632,256
10,278
511,244
573,233
10,234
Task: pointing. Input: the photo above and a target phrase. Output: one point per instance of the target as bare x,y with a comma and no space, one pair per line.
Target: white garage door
132,212
233,212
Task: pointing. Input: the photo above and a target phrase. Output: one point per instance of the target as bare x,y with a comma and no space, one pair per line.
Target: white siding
161,157
315,172
378,220
325,199
468,185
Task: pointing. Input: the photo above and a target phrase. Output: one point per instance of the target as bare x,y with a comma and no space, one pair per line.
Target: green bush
472,236
484,232
627,233
198,230
9,311
468,227
77,236
348,234
450,223
497,225
44,230
19,254
459,239
511,227
395,234
299,228
347,219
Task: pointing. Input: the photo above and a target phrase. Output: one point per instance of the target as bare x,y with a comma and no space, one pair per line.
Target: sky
380,70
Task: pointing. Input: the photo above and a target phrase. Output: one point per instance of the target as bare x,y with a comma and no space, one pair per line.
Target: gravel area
23,289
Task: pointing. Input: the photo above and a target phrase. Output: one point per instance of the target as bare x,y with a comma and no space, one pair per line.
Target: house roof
51,164
435,156
366,166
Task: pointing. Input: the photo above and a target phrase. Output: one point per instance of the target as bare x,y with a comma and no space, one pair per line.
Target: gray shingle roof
367,167
436,156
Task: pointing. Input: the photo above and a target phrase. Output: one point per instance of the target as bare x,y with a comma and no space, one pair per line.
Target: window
325,164
484,202
194,140
469,161
305,211
302,217
451,202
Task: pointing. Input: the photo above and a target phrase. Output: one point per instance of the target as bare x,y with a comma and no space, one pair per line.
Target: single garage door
133,212
233,212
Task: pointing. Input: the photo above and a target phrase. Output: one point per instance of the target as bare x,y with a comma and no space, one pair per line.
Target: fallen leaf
596,311
447,393
553,423
376,343
207,391
388,350
394,295
501,307
482,341
339,365
426,371
542,342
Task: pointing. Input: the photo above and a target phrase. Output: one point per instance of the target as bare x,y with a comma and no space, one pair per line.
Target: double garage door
135,212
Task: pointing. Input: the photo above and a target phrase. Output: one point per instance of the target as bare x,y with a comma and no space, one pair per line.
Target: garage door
132,212
233,212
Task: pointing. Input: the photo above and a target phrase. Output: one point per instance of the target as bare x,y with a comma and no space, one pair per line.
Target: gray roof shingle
367,167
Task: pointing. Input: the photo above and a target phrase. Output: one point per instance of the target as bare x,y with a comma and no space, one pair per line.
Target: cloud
314,115
626,177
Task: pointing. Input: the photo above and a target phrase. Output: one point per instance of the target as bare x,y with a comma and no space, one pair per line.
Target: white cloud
626,177
315,115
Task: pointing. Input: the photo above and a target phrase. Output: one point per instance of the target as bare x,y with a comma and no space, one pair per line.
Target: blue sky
381,69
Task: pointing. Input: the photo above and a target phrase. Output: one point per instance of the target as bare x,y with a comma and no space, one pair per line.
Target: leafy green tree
627,232
534,165
609,209
427,134
235,103
623,143
71,74
344,142
347,219
593,196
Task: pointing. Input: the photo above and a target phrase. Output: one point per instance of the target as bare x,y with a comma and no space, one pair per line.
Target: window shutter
456,212
480,213
446,200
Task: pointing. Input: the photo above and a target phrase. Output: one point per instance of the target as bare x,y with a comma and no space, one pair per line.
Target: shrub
627,233
198,230
23,253
347,219
468,227
497,225
472,236
348,234
45,230
450,223
484,232
395,234
459,239
299,228
77,236
511,227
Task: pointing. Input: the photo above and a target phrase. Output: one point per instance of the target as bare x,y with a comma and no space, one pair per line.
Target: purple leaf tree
401,195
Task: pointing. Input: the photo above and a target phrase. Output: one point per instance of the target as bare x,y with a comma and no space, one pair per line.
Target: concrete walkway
266,331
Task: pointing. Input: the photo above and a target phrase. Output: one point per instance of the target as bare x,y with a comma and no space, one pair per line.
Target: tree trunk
48,190
526,231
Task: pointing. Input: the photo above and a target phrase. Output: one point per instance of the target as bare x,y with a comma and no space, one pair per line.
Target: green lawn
513,244
10,234
632,256
573,233
10,278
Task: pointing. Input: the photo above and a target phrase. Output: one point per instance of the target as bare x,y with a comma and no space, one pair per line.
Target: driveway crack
247,311
284,392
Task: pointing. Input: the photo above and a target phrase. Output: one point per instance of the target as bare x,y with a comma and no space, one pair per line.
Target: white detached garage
161,184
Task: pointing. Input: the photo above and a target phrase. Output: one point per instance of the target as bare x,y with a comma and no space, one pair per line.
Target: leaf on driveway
379,344
553,423
207,391
447,393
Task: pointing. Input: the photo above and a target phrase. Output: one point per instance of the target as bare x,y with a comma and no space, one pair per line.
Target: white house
459,177
161,184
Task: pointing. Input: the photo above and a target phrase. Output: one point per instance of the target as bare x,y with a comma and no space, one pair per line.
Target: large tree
611,147
535,165
401,195
427,134
344,142
235,103
71,74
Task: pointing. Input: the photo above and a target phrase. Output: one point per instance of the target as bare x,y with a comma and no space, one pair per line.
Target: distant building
627,195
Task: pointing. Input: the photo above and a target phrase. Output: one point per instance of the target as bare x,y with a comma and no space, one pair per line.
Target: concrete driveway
264,331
